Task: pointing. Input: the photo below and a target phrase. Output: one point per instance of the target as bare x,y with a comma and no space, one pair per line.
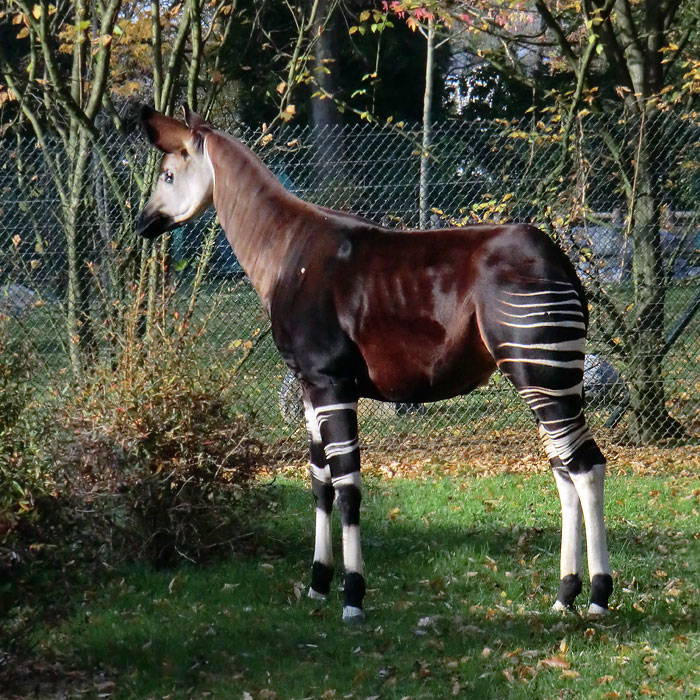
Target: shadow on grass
459,596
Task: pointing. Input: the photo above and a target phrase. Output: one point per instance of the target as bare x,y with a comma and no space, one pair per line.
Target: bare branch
196,57
156,52
167,94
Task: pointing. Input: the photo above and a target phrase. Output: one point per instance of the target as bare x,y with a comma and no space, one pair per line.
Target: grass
461,574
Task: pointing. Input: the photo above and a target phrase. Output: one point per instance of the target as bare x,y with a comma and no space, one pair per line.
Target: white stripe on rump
554,324
563,346
540,304
566,364
569,290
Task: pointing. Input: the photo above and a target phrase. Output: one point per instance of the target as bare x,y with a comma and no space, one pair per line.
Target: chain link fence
66,273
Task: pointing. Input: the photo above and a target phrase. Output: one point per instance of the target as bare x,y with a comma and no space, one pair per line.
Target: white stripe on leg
590,488
311,422
571,521
323,545
352,549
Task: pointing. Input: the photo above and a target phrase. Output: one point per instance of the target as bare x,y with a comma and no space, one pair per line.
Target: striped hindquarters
538,336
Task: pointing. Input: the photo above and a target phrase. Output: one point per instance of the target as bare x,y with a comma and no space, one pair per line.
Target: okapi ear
165,133
192,119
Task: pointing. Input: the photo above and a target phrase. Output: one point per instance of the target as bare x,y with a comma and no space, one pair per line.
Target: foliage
142,459
22,477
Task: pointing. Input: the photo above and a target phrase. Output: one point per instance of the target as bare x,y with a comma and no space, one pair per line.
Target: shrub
22,479
152,449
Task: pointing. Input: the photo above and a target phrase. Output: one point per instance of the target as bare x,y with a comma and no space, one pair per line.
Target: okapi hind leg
589,483
571,529
579,472
336,416
323,492
580,482
536,332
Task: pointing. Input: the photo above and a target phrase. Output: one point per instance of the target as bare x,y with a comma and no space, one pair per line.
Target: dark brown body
406,308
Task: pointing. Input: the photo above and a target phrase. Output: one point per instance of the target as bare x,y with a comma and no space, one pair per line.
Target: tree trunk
324,112
424,191
81,339
649,417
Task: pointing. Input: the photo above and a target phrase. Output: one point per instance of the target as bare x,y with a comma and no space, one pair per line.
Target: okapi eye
169,177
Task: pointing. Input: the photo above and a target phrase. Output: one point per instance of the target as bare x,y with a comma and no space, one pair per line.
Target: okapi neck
262,221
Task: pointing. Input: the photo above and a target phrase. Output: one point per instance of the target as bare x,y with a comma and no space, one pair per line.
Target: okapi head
186,180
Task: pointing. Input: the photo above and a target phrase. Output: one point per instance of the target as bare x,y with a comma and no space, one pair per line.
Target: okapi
358,310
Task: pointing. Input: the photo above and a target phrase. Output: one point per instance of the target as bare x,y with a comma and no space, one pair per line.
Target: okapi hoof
569,587
601,589
595,610
353,615
321,578
315,595
562,607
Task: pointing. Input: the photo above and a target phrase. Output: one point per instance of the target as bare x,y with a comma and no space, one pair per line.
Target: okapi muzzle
150,224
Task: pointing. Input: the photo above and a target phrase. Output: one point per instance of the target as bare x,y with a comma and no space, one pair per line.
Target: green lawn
461,575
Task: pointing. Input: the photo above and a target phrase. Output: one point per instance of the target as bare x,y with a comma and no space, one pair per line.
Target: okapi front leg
322,489
337,423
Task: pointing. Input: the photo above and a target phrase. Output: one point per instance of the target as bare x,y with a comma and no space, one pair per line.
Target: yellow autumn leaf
36,11
569,673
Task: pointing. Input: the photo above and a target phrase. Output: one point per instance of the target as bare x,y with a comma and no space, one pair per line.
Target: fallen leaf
555,662
105,687
569,673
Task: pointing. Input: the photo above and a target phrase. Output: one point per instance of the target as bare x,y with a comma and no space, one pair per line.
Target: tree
59,71
623,57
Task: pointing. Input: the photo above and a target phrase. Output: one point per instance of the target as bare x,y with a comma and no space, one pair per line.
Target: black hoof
569,587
